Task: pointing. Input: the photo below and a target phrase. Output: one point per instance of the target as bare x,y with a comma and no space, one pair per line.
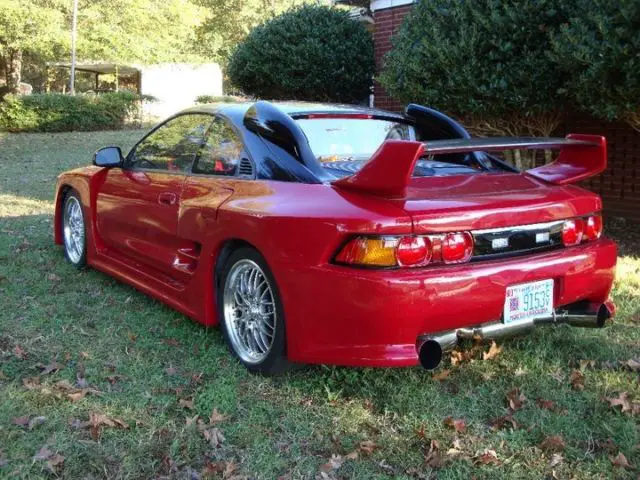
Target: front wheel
73,230
251,313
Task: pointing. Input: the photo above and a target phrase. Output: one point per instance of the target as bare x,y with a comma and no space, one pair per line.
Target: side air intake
245,168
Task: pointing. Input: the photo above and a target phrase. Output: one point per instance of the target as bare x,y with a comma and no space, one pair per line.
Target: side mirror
108,157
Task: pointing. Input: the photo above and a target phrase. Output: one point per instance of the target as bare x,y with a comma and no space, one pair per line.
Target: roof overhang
384,4
98,67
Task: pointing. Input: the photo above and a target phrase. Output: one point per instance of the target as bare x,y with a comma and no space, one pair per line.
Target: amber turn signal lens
365,251
593,228
572,232
413,251
457,247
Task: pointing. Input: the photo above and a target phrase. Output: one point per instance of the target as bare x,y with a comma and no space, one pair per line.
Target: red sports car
335,234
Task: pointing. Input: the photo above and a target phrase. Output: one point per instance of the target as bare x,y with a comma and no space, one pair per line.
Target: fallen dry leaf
43,454
546,404
624,402
501,422
432,457
31,383
516,399
51,368
487,457
494,351
21,421
52,277
460,356
186,403
367,447
35,421
457,424
19,353
632,364
352,456
608,445
620,461
214,436
556,459
577,380
99,419
112,379
55,464
554,443
334,463
216,417
441,376
584,364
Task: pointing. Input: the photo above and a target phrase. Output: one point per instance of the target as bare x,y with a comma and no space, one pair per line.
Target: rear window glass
334,139
344,145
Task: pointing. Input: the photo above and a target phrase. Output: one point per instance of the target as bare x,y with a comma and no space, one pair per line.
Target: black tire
275,361
75,258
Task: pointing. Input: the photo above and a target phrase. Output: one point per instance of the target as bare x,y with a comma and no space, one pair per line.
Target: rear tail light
406,251
457,247
593,227
572,231
413,251
369,251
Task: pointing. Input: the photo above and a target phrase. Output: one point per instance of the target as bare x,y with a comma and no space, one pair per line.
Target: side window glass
221,152
173,146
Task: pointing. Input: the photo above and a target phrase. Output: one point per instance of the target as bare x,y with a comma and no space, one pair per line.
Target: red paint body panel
573,165
334,314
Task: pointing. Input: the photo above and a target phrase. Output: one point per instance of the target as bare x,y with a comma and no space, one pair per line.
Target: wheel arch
226,249
63,190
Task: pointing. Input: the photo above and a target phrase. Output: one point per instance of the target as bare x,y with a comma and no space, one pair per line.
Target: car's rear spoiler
389,171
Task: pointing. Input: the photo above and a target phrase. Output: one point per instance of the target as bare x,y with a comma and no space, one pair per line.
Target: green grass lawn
100,381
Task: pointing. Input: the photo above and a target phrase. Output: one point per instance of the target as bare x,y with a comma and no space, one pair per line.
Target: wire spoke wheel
73,230
249,311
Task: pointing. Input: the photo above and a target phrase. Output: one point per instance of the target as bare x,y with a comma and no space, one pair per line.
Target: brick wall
618,185
387,22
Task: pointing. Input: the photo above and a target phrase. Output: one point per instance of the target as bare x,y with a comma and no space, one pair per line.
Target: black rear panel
512,241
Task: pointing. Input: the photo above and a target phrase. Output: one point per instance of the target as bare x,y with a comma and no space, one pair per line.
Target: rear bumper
347,316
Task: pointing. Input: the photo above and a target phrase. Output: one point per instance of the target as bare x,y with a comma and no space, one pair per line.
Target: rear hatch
491,200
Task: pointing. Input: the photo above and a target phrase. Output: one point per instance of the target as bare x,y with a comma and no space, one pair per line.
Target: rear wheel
73,230
251,314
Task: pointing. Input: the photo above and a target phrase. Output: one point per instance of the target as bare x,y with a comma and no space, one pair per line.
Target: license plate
528,301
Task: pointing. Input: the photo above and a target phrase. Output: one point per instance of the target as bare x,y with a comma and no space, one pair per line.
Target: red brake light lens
457,247
572,232
413,251
593,228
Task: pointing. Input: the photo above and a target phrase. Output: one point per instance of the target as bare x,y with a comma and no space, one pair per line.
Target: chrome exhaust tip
430,354
431,349
596,320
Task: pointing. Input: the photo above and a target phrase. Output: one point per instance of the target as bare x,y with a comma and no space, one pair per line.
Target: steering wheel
144,163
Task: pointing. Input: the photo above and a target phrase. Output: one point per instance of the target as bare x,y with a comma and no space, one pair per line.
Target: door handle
167,198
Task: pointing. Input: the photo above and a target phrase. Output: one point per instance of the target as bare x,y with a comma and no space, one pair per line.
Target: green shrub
308,53
203,99
486,61
59,113
599,53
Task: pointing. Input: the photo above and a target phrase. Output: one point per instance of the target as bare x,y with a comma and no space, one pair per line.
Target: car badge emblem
498,243
542,237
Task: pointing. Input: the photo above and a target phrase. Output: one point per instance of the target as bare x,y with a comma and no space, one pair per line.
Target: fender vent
245,168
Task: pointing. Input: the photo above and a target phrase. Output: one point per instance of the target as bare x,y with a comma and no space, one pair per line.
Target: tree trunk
14,70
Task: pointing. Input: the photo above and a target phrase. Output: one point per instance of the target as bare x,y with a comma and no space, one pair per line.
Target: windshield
333,139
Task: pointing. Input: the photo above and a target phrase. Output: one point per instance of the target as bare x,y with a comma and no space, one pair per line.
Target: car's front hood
472,202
